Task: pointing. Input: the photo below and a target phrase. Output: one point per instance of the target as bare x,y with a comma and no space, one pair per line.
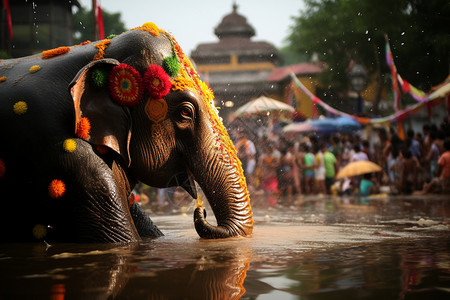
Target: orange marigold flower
83,128
54,52
101,46
3,79
56,188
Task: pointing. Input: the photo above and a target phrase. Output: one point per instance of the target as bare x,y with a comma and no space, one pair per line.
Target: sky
192,22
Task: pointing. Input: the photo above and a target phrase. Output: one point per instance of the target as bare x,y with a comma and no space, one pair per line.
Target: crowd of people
283,169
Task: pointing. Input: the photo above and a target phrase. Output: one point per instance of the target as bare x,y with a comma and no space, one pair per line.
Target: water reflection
320,249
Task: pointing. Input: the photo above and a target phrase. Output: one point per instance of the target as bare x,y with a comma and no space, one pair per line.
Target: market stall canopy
263,104
358,168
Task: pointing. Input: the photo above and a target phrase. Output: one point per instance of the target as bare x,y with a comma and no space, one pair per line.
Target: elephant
80,126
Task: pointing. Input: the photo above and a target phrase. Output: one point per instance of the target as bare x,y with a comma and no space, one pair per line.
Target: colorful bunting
397,116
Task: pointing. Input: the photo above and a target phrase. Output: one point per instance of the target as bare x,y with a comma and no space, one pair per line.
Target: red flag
101,29
8,18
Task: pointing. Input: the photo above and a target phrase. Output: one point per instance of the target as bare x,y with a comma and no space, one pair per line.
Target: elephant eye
186,111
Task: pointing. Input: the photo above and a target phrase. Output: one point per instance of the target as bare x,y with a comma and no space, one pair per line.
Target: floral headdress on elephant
175,73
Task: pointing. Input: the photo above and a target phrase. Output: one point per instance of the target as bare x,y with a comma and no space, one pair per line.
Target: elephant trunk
224,185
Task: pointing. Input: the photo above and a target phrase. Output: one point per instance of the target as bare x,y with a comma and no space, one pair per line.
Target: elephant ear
104,122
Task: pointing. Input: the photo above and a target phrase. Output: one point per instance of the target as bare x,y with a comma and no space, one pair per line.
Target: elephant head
142,100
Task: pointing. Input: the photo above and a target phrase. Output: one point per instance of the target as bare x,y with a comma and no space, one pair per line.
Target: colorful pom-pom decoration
112,35
99,77
2,168
171,65
125,85
83,128
34,69
20,107
70,145
54,52
152,28
56,189
39,231
156,110
157,82
2,78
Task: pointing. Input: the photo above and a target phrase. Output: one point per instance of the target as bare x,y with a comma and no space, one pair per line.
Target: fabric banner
393,68
101,29
8,18
398,83
397,116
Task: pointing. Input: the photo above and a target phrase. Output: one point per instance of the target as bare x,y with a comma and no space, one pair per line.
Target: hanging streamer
398,115
101,29
8,18
393,68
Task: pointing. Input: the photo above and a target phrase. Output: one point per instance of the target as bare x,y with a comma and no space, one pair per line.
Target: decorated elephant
81,125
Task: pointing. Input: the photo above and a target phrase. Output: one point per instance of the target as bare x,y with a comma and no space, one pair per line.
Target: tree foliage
342,30
83,24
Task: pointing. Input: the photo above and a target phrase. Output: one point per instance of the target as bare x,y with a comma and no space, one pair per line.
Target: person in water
366,186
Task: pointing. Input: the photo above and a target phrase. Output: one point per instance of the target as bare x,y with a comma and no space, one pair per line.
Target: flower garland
189,79
125,85
101,46
54,52
151,28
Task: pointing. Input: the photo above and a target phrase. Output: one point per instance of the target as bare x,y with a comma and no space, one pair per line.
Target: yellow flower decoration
3,79
70,145
20,107
34,69
151,28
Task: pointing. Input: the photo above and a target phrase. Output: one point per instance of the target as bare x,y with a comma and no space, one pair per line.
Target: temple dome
234,25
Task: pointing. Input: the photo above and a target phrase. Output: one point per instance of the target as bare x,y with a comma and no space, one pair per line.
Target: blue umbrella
347,124
325,125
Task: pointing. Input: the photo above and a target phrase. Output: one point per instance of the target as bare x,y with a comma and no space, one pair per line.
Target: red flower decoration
125,85
56,188
157,82
83,128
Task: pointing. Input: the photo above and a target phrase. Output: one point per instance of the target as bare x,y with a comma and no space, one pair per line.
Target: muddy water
320,248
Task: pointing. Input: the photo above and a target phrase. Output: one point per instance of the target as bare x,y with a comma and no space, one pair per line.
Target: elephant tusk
186,181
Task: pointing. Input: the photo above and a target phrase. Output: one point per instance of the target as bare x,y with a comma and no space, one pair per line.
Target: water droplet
403,33
367,31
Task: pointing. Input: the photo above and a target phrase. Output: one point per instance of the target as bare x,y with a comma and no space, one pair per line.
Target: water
321,248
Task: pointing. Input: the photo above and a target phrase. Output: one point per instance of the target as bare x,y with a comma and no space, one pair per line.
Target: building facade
235,67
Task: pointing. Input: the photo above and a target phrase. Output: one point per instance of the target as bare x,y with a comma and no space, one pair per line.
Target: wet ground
321,248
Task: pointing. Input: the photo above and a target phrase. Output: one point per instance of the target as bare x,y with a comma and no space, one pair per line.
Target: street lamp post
358,81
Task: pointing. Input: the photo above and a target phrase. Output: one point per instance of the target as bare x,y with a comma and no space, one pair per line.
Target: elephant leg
142,221
95,205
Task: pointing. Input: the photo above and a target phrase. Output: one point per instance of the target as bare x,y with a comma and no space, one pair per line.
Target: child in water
366,186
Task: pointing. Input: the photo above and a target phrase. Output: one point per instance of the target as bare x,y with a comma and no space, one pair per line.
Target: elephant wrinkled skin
81,125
